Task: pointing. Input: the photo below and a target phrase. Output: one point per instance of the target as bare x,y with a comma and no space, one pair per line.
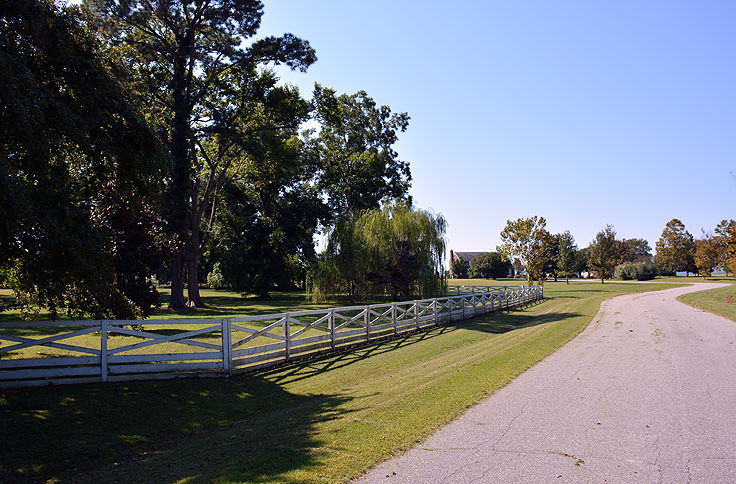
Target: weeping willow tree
395,250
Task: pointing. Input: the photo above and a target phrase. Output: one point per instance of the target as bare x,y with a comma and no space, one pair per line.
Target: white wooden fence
94,351
461,289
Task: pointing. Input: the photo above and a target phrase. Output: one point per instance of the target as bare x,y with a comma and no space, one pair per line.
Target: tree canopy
396,250
353,151
567,258
182,55
526,239
676,248
726,233
490,266
605,253
70,133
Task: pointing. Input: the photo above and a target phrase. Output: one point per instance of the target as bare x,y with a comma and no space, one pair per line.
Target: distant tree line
146,137
539,254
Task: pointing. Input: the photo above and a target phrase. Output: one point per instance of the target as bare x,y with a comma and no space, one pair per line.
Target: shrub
460,268
215,279
643,271
490,265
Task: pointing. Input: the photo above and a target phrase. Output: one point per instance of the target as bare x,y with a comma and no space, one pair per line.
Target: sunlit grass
721,301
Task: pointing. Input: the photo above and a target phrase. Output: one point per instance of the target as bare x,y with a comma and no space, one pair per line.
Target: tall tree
637,250
460,268
264,232
726,233
395,249
526,239
67,129
567,260
709,252
354,151
490,265
552,256
676,248
605,253
179,52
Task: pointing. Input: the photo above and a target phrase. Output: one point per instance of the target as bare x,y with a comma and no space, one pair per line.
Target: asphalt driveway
646,394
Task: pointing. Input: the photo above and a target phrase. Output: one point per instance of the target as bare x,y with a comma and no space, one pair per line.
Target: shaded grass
221,304
318,421
715,300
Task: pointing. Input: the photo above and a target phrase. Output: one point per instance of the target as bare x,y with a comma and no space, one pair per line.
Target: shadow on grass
195,431
496,323
245,429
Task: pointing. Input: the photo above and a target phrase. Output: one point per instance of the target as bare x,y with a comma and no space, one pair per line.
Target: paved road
646,394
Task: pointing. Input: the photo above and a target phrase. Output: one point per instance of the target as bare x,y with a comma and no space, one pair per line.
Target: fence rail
101,351
463,289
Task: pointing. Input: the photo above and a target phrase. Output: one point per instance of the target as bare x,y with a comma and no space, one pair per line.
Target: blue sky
585,112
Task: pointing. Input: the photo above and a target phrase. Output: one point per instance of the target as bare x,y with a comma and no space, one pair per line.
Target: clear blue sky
585,112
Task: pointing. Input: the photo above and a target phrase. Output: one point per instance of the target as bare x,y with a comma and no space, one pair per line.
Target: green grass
715,300
221,304
695,279
320,421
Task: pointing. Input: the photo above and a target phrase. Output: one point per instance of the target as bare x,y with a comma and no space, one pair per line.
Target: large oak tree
68,134
179,52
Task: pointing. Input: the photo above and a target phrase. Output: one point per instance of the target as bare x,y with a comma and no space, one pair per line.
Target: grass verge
720,301
319,421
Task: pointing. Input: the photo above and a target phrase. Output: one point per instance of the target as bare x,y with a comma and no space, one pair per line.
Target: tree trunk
195,300
177,285
181,179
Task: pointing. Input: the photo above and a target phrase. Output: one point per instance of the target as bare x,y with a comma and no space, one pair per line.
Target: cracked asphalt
646,394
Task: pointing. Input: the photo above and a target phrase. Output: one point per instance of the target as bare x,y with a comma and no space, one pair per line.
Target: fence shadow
496,323
123,432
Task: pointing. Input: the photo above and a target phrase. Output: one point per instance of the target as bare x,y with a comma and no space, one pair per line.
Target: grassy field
695,279
222,304
319,421
715,301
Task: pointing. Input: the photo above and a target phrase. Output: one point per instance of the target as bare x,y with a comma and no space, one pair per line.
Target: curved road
646,394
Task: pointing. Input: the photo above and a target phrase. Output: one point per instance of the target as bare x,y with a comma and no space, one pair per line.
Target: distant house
466,256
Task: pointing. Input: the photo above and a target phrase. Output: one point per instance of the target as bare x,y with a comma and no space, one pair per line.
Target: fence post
367,320
227,355
103,350
434,311
416,315
462,304
331,326
393,318
285,324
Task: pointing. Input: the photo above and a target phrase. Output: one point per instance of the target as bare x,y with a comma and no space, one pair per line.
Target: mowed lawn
721,301
221,304
319,421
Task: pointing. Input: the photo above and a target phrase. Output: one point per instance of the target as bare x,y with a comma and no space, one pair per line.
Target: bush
215,279
460,268
643,271
489,266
